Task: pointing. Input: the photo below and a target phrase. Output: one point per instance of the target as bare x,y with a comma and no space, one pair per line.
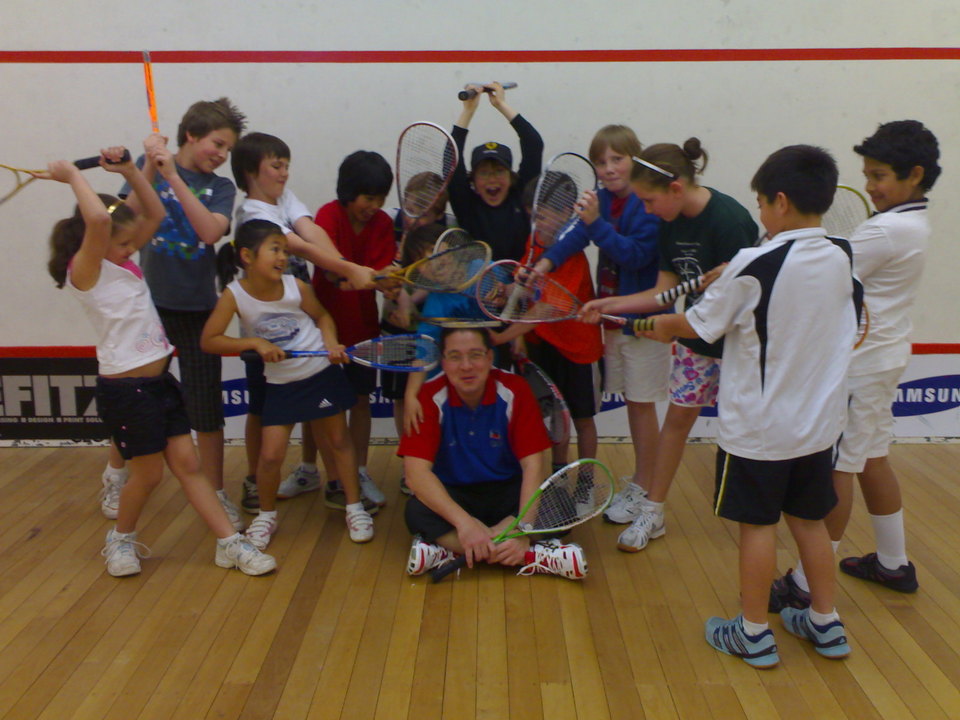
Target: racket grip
642,325
249,355
667,297
468,94
441,572
92,162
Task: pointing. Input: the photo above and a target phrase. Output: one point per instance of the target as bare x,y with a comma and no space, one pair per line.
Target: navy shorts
489,502
393,385
318,396
757,491
141,413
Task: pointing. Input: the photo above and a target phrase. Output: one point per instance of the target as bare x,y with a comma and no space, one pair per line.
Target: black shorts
579,383
393,385
362,379
757,491
488,502
256,385
141,413
318,396
200,372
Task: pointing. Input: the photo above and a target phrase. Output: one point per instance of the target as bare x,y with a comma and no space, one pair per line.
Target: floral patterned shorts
694,378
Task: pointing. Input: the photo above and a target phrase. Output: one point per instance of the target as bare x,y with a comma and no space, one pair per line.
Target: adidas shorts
322,395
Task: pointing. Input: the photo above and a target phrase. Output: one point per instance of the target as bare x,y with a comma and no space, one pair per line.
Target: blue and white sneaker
728,636
829,640
298,482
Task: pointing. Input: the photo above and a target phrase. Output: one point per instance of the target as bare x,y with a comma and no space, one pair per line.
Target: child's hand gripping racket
569,497
13,182
400,353
510,292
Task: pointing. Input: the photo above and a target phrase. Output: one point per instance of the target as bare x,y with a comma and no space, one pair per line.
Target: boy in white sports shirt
261,168
787,313
900,164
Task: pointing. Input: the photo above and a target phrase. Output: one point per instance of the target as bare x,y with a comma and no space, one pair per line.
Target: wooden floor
340,631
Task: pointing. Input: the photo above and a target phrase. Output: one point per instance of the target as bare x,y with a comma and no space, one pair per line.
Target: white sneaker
360,525
646,527
369,489
425,556
123,553
298,482
110,494
625,505
260,531
232,511
239,552
555,558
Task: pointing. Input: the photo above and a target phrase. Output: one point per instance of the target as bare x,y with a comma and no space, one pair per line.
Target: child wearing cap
488,201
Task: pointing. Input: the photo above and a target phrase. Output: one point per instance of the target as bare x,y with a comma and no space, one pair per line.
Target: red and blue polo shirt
485,444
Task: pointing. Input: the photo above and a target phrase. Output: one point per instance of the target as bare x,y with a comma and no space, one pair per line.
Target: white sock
891,541
799,578
822,619
752,628
268,514
354,507
835,544
361,469
309,468
223,542
650,506
222,494
116,473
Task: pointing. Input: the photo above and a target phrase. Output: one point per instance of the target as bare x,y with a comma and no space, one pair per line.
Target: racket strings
426,158
574,494
398,351
848,210
535,299
559,188
452,269
454,237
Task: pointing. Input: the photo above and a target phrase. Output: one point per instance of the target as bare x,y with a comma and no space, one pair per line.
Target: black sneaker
868,567
334,497
784,593
250,502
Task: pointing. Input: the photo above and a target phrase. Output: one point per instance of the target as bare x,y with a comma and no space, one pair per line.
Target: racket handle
469,94
441,572
614,319
92,162
254,356
667,297
642,325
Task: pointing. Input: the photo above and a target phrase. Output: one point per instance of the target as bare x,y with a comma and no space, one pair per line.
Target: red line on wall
482,56
70,351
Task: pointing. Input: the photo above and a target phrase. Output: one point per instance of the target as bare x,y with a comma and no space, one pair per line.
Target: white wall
741,110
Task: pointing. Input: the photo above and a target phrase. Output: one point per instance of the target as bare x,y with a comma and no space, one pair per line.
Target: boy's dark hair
67,235
250,151
807,175
251,235
363,173
205,116
904,144
480,332
419,242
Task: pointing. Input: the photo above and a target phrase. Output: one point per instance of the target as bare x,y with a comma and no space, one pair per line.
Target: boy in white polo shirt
788,313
